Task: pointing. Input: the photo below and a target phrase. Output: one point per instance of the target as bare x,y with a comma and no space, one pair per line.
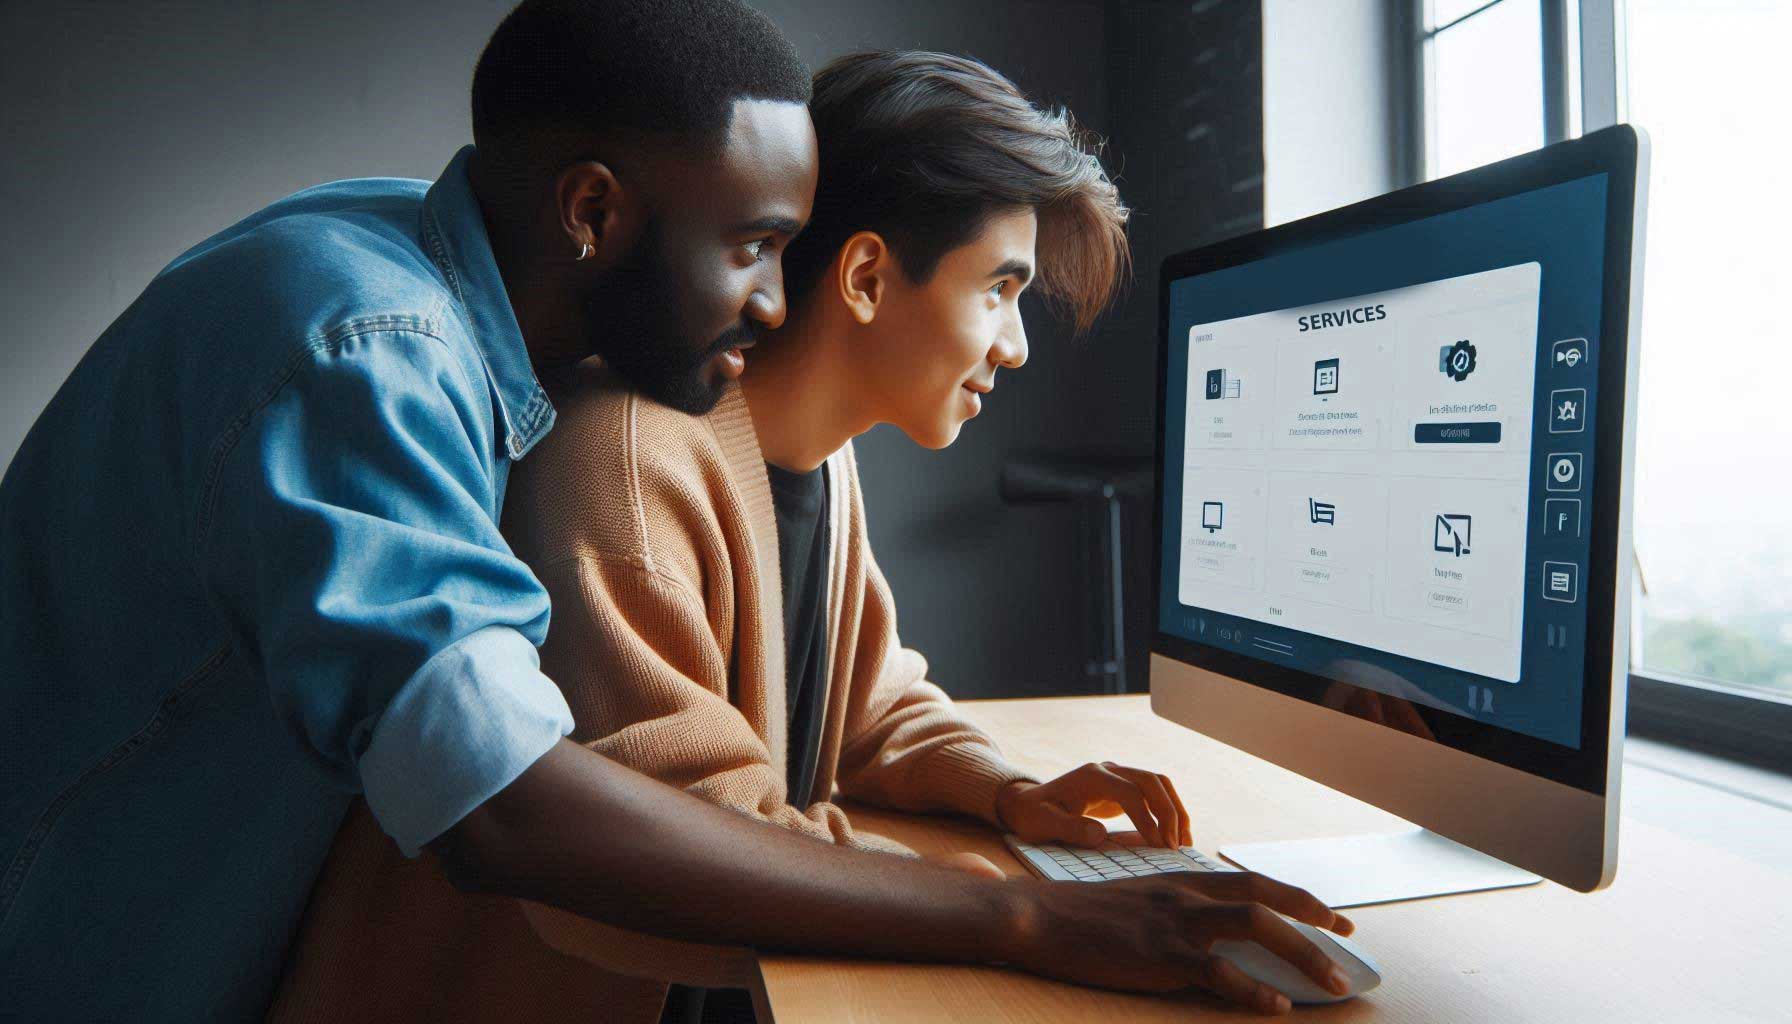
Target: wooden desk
1688,933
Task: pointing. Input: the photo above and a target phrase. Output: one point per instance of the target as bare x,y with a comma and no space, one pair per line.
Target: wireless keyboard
1108,862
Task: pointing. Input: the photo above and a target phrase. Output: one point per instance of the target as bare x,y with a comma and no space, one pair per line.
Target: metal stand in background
1097,488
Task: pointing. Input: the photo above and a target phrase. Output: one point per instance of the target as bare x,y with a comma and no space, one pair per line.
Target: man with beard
250,566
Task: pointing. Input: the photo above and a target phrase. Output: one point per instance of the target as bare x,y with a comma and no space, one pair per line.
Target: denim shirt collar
454,233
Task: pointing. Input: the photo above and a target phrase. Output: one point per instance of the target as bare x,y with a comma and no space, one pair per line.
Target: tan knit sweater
655,535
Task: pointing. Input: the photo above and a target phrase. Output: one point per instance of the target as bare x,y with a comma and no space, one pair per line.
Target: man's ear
596,210
863,269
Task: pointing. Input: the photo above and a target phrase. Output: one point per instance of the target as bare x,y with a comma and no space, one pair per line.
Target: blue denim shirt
250,566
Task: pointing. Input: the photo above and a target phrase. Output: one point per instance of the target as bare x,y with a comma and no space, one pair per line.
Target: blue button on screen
1456,433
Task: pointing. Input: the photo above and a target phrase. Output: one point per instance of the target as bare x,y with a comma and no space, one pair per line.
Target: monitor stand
1350,871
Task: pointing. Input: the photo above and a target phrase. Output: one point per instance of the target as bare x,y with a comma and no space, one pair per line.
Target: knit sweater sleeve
640,659
905,746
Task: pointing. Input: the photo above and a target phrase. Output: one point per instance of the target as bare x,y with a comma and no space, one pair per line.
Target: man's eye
998,289
756,249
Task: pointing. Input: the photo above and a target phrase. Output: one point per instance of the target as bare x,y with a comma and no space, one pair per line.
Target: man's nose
1011,349
766,305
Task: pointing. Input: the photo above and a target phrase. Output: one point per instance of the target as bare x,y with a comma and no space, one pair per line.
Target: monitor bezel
1611,151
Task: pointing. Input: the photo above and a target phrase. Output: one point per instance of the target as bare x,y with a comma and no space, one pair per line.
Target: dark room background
133,130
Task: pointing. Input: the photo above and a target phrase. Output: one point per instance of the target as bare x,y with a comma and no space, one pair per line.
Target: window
1485,95
1712,625
1708,81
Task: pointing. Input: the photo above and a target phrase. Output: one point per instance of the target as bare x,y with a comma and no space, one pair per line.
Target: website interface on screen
1378,458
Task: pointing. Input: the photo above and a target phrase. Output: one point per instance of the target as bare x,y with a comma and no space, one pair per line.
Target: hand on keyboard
1060,810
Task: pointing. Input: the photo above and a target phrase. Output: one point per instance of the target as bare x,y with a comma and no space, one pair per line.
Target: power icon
1564,471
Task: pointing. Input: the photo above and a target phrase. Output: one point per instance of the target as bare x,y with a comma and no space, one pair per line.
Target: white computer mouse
1284,977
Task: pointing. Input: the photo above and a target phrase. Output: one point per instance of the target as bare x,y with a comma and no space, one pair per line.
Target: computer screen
1378,459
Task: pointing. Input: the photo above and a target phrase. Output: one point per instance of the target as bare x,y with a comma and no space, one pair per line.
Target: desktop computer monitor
1392,531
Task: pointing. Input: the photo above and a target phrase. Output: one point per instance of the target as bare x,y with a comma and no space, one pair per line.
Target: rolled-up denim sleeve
467,723
349,541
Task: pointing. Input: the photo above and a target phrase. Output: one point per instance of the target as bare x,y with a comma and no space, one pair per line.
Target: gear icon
1458,360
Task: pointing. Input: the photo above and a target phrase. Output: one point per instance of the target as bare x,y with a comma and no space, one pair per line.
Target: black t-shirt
801,503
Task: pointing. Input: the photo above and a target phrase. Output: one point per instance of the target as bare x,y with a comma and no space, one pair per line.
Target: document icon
1322,512
1450,533
1561,581
1213,515
1325,377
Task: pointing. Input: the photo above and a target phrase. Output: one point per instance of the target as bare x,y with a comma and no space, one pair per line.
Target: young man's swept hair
591,68
923,148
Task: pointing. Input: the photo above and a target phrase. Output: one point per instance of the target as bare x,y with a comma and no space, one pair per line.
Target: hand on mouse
1155,934
1064,810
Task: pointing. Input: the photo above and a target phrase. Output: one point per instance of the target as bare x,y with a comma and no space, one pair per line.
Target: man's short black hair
595,67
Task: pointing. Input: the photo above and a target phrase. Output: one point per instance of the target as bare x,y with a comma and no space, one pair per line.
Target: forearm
824,822
738,779
962,778
593,837
583,833
921,754
708,750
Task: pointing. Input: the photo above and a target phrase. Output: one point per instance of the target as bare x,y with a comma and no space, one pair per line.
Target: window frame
1724,720
1415,88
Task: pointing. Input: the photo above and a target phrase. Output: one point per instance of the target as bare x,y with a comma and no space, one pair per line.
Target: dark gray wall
1186,95
132,130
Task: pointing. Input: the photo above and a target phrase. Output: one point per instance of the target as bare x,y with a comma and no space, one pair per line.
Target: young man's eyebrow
1017,268
770,225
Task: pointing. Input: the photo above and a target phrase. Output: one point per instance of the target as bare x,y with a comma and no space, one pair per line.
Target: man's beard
634,322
